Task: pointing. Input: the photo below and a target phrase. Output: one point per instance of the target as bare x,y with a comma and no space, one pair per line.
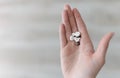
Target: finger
81,25
71,18
62,35
103,45
67,24
85,40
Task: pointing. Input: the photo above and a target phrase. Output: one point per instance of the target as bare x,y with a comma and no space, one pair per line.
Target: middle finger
71,18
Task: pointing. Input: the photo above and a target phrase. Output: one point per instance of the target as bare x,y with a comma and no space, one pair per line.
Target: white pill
73,34
71,38
76,39
77,34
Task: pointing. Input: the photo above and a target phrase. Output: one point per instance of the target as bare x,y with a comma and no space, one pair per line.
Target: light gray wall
29,41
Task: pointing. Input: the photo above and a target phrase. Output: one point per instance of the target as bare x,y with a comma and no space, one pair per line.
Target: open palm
80,61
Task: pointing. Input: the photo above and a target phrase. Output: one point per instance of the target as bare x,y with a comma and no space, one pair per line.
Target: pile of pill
75,37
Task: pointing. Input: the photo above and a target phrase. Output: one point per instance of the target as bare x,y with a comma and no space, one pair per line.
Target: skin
80,61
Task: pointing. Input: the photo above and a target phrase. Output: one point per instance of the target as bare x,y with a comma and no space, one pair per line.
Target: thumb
103,45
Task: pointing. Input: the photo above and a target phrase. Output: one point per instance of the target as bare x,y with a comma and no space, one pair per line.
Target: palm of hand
80,61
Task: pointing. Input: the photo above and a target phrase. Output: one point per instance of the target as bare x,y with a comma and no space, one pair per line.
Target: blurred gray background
29,40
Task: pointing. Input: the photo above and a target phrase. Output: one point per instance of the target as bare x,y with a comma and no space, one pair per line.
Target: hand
80,61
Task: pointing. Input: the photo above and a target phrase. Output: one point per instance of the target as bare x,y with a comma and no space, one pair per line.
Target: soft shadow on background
29,40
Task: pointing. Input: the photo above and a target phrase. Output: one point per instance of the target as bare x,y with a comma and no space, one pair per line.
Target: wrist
79,77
